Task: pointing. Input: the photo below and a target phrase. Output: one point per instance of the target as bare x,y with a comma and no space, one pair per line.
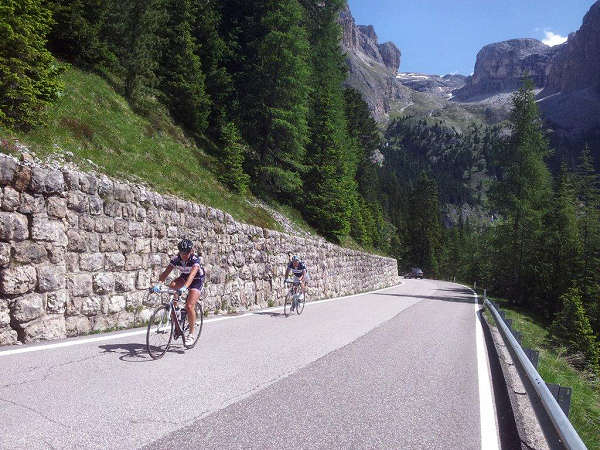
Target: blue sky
444,36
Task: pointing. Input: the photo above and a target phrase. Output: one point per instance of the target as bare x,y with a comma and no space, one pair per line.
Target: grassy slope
554,367
91,122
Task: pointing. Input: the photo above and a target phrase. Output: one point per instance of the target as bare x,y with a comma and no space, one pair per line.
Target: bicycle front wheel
187,342
287,305
160,332
300,304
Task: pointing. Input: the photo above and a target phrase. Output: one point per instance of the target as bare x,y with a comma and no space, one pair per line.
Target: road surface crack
49,419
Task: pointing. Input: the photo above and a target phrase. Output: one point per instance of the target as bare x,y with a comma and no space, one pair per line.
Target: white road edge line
71,343
490,439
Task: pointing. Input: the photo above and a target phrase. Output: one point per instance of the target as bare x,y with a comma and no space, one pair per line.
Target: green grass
554,367
94,127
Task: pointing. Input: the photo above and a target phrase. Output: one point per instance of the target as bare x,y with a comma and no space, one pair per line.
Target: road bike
169,321
294,298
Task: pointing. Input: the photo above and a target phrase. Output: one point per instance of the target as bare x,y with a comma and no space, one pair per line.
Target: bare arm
165,274
191,276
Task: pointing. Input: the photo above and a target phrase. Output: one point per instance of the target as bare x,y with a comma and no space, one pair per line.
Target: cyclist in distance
298,268
189,283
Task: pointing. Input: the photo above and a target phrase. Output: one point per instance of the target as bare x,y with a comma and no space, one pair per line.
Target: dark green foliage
572,328
180,71
133,35
521,196
234,151
423,226
78,33
28,72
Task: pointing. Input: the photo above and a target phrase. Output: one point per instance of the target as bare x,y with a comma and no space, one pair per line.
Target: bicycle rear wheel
300,304
160,332
197,327
287,305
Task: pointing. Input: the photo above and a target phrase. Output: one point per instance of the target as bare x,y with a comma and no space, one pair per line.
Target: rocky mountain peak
502,66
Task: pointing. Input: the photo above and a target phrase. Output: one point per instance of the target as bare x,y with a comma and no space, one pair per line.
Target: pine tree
234,151
180,71
329,178
132,33
572,328
424,227
588,192
520,196
560,246
29,75
77,33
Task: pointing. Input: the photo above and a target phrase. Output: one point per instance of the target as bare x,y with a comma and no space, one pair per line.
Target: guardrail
559,419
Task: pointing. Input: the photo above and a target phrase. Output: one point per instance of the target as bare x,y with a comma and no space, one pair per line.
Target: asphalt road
397,368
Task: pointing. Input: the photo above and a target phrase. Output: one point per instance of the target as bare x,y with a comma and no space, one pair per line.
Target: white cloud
553,39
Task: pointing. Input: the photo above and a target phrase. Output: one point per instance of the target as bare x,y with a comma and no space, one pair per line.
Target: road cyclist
189,283
300,277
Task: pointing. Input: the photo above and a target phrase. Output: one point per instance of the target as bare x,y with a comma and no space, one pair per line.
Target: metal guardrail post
561,422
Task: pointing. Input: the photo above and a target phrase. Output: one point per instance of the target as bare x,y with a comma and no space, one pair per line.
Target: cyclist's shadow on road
134,352
269,313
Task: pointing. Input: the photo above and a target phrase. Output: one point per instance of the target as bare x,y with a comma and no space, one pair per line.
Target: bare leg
189,306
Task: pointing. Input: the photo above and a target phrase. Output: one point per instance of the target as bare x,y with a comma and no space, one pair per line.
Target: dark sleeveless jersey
185,267
297,271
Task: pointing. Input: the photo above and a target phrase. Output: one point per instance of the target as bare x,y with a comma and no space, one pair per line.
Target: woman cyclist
189,281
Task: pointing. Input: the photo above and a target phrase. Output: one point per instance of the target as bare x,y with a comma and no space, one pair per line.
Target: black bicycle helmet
185,246
295,259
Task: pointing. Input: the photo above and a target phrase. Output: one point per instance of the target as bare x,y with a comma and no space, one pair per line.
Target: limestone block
51,278
128,211
10,199
136,229
88,183
77,325
8,166
29,204
112,208
121,227
4,314
142,245
46,181
105,322
17,280
44,329
4,254
92,305
104,224
8,336
105,187
76,241
79,284
143,279
140,214
133,261
114,304
72,262
96,205
86,223
122,192
43,229
125,281
91,262
109,242
56,302
114,261
22,178
78,201
104,283
28,307
28,252
71,178
13,227
135,299
57,207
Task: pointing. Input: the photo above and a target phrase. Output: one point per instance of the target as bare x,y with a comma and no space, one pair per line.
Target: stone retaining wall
78,252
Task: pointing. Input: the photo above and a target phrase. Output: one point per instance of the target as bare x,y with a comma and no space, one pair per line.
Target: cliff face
576,65
501,67
372,66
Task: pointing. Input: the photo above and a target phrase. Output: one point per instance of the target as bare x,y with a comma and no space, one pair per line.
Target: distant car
415,272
